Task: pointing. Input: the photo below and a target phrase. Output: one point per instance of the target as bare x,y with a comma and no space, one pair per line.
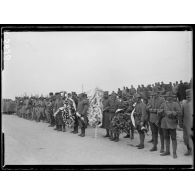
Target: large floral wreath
95,108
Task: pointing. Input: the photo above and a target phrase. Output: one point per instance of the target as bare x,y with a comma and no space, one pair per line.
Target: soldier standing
153,105
140,115
171,114
187,120
105,121
58,119
81,113
51,110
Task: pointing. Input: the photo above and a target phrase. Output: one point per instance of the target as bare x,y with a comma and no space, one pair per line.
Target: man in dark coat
140,116
51,109
153,106
58,104
105,121
187,122
81,112
171,112
181,93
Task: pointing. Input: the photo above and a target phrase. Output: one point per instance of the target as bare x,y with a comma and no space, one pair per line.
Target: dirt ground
29,142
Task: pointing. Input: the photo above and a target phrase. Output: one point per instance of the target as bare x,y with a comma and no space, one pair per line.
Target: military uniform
58,118
187,122
141,117
34,109
81,111
51,110
153,106
171,112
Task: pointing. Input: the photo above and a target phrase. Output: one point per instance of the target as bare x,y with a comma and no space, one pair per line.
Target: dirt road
29,142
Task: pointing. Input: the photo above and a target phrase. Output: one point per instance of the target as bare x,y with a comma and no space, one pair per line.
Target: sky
43,62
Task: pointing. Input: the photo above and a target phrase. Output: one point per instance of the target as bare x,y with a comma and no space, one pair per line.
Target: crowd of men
162,107
8,106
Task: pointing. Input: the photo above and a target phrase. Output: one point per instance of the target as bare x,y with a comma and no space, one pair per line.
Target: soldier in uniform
58,119
74,99
153,106
51,109
34,108
171,112
105,121
113,104
81,113
187,122
46,105
29,108
140,116
37,113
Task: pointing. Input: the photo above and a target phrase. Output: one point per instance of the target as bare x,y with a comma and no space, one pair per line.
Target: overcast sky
43,62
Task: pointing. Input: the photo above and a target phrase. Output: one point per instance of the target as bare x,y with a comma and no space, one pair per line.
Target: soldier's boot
107,133
174,145
82,132
116,137
139,141
189,151
142,136
75,131
112,137
167,144
127,136
57,127
162,143
154,148
132,134
63,128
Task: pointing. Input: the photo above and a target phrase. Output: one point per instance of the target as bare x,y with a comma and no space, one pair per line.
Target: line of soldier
8,106
163,113
177,88
45,109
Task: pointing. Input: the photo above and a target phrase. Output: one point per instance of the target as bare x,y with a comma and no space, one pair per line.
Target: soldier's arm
178,113
144,113
85,109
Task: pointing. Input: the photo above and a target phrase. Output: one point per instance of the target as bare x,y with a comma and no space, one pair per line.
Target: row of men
9,106
163,113
48,110
177,88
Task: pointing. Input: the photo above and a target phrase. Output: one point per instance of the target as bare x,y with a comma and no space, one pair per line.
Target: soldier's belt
154,112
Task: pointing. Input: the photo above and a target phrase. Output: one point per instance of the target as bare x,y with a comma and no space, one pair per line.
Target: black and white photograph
115,95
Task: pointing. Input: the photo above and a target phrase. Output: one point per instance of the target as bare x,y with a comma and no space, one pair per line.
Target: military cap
105,92
51,93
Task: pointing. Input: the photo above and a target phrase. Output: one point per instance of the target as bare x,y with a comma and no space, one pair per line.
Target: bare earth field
29,142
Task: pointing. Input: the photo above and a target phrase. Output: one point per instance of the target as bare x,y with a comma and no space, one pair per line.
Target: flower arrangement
95,108
121,122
